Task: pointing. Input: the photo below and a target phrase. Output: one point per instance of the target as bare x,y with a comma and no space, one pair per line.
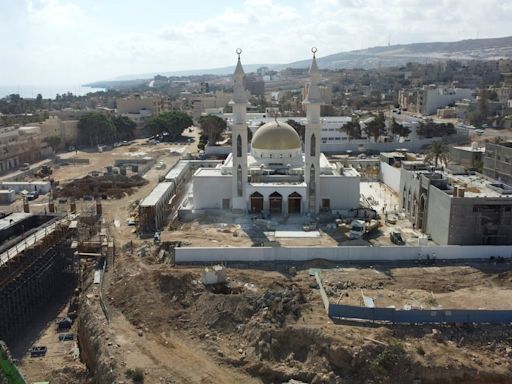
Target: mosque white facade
279,175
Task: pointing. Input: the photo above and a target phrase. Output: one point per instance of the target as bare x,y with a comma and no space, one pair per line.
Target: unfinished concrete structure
498,161
35,259
154,209
456,209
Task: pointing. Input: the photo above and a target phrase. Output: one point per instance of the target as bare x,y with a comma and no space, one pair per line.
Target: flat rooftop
477,186
204,172
470,148
156,194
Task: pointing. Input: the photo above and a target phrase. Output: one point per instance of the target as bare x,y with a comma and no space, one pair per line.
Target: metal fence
420,315
27,242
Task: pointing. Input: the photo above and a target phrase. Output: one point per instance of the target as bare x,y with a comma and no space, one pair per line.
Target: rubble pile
106,186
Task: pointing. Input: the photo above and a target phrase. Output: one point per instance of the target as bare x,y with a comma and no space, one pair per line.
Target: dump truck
358,228
8,369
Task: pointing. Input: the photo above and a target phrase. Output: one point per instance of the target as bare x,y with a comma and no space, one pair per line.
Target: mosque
276,173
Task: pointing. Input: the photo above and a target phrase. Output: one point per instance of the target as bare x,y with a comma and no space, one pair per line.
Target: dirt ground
461,287
269,325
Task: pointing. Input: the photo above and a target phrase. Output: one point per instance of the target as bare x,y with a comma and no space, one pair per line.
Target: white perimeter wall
207,255
210,190
390,176
343,191
40,186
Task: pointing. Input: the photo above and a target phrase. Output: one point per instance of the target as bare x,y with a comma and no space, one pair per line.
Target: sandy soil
271,324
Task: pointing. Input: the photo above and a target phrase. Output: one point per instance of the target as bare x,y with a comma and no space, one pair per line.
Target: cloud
53,12
268,31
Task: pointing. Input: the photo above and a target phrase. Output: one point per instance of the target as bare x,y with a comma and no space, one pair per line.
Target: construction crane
7,367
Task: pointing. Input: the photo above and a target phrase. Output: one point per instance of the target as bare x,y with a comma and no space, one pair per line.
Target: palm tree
437,152
352,129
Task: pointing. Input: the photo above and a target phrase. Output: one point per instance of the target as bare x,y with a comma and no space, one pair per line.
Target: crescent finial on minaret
314,50
239,52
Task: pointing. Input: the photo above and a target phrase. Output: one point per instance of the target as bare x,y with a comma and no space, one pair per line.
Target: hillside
388,56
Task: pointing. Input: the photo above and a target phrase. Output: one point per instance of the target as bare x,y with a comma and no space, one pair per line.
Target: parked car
32,195
66,337
38,351
396,238
88,198
64,324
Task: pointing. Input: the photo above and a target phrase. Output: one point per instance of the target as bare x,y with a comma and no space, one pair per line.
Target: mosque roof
276,136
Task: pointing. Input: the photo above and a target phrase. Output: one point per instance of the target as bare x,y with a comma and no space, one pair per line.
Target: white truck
358,228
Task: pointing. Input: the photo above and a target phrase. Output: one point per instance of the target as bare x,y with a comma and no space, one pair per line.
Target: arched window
312,150
239,181
239,146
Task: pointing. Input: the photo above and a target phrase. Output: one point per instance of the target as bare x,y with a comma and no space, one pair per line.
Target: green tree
39,100
399,129
125,128
352,129
213,127
430,129
478,113
437,152
377,127
96,128
54,142
299,128
172,123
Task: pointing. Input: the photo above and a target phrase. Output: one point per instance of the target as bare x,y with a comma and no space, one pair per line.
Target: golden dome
276,136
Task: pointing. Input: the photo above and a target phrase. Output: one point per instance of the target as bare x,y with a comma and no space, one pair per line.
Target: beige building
139,108
67,130
19,145
199,103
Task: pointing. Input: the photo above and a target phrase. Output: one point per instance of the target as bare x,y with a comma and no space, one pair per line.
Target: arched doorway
256,202
275,202
294,203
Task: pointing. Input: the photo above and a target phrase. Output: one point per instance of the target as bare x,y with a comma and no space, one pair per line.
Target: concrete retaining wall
358,253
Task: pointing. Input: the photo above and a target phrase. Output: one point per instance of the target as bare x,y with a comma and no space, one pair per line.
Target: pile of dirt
108,185
70,375
274,328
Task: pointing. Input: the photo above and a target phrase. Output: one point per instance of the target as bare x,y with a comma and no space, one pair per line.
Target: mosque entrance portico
256,202
275,203
294,203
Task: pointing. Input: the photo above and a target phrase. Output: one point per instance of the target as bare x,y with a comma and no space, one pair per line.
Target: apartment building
456,209
19,145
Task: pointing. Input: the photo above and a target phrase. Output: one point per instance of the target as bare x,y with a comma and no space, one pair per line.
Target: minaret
312,102
239,139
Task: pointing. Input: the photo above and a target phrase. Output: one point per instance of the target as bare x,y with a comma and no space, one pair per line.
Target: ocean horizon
47,91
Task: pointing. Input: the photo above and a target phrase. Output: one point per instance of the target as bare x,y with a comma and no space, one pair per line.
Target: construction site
94,288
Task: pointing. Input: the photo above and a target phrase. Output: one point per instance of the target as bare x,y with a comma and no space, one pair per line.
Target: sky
48,42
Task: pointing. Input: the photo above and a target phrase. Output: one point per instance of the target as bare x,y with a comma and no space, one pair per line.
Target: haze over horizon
75,42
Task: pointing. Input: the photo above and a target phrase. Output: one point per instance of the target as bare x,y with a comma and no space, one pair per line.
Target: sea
47,91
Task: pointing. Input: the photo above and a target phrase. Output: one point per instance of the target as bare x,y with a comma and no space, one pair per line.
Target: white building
277,175
430,98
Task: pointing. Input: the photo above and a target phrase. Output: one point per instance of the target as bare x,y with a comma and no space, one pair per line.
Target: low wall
421,315
352,253
392,315
390,176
